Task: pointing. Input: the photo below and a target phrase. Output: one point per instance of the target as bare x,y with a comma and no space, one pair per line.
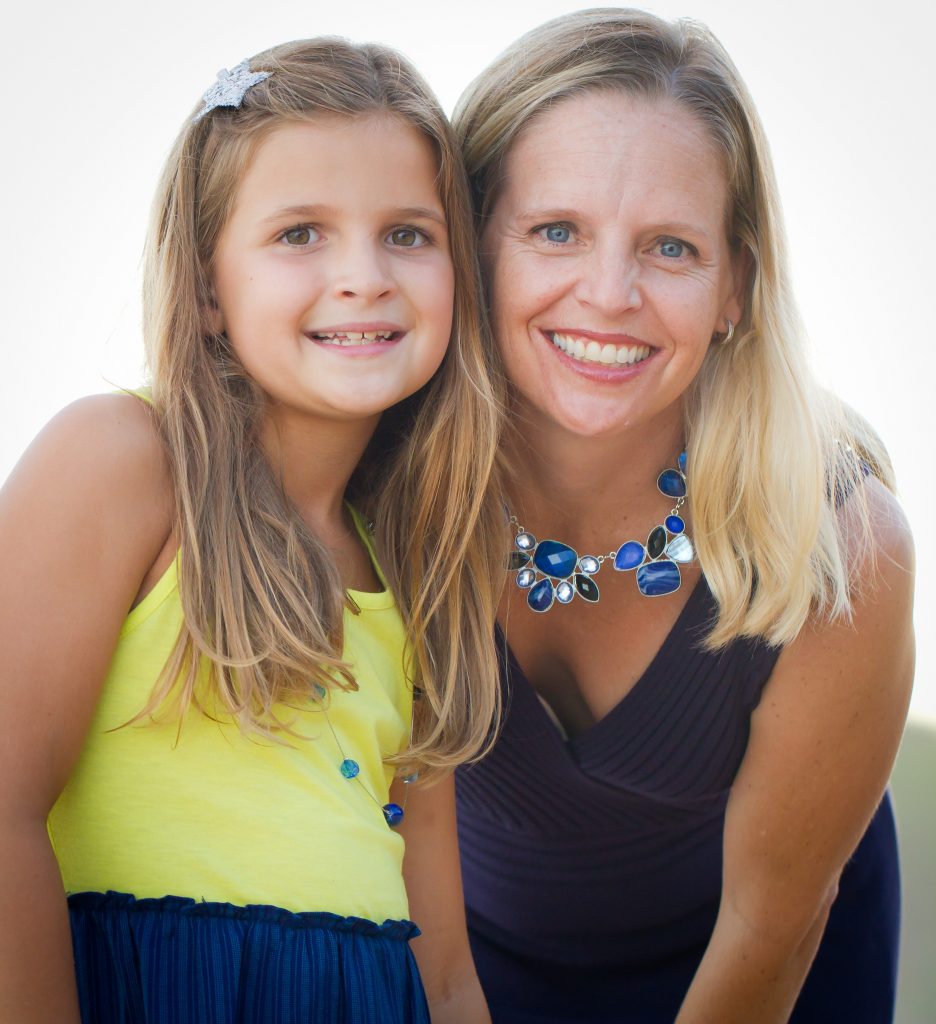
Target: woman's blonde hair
261,595
771,455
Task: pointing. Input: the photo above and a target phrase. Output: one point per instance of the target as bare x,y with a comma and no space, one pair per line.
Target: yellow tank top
219,816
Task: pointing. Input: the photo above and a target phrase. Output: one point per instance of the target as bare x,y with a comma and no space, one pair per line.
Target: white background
95,92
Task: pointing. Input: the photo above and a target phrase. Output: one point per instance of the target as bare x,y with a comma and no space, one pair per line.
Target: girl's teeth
353,337
595,352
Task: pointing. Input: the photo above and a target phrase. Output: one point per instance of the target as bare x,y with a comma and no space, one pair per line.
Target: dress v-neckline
517,675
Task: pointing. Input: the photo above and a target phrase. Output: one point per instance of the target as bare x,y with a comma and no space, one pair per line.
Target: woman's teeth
352,337
594,352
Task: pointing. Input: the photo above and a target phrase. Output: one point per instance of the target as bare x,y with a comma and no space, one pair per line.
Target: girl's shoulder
100,461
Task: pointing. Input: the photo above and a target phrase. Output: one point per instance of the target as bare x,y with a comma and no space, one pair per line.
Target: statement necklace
551,571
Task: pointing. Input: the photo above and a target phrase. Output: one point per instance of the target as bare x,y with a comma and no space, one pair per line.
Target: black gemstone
587,587
517,560
656,542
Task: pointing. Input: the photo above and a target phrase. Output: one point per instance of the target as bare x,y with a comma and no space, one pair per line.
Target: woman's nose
610,279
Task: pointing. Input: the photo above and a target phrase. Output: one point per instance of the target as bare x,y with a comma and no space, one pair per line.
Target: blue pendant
672,483
587,588
681,461
349,769
629,556
555,559
540,597
656,579
674,523
393,813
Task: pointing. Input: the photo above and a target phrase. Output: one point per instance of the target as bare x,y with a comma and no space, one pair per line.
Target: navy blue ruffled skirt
176,961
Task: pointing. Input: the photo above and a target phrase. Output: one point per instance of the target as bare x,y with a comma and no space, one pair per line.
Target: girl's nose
362,272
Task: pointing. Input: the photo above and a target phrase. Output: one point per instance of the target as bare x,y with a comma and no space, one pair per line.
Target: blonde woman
207,683
706,632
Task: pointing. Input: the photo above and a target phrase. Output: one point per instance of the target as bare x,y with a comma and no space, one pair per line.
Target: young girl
205,669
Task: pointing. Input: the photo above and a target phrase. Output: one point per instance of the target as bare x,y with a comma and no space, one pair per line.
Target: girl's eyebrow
313,212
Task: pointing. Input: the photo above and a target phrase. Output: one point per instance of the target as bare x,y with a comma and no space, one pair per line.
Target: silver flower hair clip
231,87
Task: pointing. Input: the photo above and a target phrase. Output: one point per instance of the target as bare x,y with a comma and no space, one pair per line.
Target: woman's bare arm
822,745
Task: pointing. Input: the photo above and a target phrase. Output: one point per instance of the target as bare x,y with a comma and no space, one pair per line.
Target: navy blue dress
592,866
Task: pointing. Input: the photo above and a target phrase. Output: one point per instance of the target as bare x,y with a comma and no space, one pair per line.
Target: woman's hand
822,744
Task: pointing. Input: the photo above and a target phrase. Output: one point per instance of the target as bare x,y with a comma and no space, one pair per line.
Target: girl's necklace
551,571
351,770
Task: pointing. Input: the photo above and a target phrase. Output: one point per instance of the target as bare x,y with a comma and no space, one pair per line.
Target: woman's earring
730,333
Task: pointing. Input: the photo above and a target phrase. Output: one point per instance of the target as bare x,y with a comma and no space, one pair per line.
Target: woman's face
608,262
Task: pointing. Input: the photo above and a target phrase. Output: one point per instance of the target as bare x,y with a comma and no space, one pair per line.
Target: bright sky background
96,92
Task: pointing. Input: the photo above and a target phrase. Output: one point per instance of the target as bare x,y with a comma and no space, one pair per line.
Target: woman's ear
742,267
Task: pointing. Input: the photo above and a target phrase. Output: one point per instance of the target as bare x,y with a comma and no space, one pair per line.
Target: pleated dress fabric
592,866
178,961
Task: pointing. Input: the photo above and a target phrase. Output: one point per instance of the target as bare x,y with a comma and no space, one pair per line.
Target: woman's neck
562,481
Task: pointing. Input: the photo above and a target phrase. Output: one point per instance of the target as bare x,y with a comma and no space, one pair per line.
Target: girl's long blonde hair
771,454
261,596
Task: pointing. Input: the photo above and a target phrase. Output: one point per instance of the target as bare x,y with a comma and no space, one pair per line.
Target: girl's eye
673,249
300,235
407,238
558,234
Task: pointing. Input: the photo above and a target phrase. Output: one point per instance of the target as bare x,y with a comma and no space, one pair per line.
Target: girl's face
608,262
332,276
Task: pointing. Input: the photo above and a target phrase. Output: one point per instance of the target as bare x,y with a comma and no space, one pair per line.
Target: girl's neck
314,461
561,480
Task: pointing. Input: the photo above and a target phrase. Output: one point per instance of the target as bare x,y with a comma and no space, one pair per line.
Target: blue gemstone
656,579
672,483
674,524
555,559
349,769
629,556
540,597
393,813
656,542
681,461
517,560
587,588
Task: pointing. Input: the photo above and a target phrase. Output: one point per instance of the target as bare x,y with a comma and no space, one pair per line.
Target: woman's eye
558,234
407,238
672,249
300,235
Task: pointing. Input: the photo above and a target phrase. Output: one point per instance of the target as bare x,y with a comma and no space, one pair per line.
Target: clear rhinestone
565,592
589,564
525,541
526,578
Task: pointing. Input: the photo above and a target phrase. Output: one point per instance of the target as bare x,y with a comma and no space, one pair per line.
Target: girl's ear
212,317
